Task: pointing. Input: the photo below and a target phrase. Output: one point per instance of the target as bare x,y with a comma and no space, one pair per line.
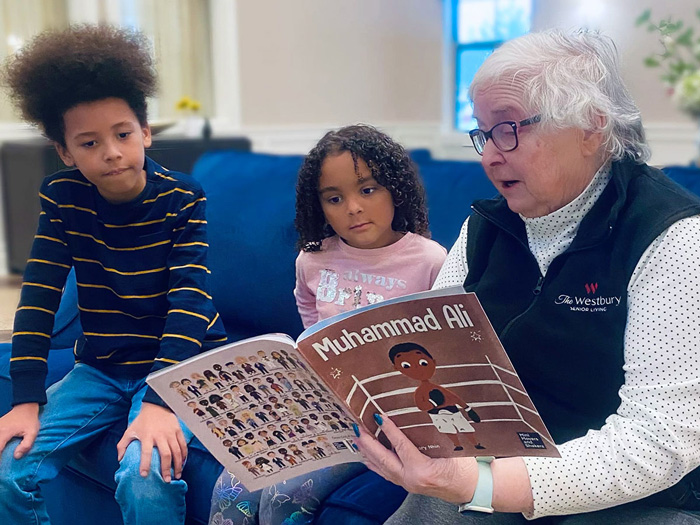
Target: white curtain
19,21
179,31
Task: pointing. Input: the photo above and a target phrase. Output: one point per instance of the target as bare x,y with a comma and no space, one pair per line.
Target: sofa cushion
368,495
250,215
451,187
686,176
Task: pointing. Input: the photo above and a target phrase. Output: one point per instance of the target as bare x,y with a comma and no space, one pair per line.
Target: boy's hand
156,426
22,421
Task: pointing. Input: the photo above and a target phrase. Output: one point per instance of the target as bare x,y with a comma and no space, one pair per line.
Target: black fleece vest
565,332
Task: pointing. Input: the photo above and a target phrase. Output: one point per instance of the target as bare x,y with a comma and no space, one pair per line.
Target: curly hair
58,70
391,167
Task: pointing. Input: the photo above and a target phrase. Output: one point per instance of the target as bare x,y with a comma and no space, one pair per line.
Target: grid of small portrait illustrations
268,411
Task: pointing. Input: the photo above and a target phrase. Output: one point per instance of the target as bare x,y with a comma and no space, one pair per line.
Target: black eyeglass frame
489,134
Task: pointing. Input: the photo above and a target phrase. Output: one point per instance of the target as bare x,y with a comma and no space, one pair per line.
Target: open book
269,408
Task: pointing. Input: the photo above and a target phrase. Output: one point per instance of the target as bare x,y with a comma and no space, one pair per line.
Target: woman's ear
593,139
65,156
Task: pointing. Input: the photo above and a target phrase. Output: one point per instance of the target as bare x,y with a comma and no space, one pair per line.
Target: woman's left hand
452,479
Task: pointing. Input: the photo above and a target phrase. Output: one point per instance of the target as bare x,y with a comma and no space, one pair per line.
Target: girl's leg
80,406
231,501
149,500
297,500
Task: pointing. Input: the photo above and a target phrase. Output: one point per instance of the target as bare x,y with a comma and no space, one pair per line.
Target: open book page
258,408
435,366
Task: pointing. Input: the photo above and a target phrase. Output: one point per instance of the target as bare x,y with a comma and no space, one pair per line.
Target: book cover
269,408
436,367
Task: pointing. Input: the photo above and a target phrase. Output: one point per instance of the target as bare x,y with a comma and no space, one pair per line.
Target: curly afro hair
58,70
390,166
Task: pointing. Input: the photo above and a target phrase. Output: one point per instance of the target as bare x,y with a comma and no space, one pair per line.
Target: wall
288,71
310,65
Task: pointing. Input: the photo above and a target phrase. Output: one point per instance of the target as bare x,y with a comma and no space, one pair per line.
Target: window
479,27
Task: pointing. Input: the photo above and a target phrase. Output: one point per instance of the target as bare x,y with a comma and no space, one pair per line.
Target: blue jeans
82,405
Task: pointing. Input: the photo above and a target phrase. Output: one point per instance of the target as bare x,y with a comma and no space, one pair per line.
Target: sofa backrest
250,215
250,211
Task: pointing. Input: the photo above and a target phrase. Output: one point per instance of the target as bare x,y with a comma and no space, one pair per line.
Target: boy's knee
14,474
131,484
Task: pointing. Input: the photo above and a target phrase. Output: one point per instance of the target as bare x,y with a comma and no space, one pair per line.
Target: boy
447,410
136,235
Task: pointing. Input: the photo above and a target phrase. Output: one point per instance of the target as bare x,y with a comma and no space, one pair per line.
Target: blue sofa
251,234
250,211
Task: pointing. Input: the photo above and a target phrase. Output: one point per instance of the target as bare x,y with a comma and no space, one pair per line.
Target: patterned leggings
293,502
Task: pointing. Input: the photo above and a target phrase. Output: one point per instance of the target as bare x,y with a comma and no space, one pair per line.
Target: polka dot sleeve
654,438
454,269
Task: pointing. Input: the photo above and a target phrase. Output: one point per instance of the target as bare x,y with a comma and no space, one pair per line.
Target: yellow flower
183,103
188,104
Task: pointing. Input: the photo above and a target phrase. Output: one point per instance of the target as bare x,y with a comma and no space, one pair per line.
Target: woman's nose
491,155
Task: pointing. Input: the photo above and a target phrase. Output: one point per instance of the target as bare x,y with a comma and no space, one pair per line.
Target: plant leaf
651,62
645,16
686,38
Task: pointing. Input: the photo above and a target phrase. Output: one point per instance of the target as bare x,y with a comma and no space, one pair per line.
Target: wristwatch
483,493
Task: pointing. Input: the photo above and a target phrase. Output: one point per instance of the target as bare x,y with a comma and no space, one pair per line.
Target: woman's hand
156,426
451,479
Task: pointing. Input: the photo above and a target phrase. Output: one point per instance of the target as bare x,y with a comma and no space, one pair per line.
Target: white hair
571,80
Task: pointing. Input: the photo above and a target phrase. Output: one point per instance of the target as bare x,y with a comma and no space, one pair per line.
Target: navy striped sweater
142,276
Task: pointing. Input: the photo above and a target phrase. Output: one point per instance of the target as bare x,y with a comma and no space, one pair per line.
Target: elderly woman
580,215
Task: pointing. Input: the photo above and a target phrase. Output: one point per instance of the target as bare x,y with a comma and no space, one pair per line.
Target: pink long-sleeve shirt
340,278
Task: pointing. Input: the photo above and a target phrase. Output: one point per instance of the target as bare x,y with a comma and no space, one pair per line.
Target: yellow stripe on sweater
53,239
154,199
122,296
79,208
27,358
36,308
187,312
186,338
114,270
146,223
71,180
188,289
39,285
48,336
130,249
193,203
44,261
198,266
95,311
195,243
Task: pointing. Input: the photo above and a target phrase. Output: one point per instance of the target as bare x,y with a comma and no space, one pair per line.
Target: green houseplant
678,59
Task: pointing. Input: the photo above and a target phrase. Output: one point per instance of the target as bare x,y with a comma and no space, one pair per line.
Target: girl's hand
156,426
22,421
452,479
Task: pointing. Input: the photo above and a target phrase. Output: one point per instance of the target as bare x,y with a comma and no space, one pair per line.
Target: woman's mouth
509,183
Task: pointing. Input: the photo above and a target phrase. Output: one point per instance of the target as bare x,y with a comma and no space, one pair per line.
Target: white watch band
483,493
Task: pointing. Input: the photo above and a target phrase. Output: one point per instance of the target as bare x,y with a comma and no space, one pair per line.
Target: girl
362,223
363,237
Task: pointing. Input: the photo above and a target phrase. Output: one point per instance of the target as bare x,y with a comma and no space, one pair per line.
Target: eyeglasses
503,134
